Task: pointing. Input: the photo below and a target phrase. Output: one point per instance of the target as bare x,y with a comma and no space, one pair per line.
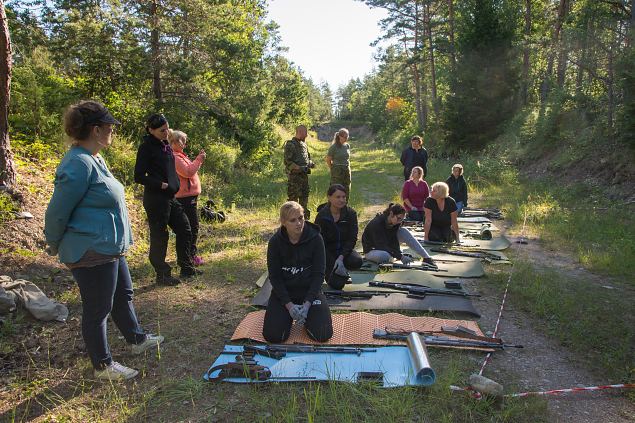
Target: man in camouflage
298,164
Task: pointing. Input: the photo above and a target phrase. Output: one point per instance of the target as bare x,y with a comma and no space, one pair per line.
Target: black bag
210,214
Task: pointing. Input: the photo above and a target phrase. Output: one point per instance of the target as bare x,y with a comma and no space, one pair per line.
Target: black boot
167,279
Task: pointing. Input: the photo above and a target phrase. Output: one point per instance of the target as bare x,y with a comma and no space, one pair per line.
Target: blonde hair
417,168
338,134
458,166
174,136
442,188
287,208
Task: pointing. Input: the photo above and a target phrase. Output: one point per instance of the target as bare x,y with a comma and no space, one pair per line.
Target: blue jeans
404,235
106,289
459,207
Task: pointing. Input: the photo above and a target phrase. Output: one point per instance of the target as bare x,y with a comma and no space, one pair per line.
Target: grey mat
391,301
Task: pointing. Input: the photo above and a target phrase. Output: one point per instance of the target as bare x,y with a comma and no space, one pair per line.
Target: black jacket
458,189
378,236
155,165
296,271
411,158
341,237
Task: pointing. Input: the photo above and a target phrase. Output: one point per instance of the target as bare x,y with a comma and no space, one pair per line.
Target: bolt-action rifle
421,291
443,341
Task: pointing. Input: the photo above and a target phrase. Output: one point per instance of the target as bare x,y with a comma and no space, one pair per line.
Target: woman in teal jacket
87,224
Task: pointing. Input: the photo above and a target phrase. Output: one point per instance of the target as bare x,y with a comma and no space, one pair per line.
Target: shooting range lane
390,367
392,300
354,328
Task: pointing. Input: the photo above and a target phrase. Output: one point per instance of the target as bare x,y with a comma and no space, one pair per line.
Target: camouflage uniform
296,152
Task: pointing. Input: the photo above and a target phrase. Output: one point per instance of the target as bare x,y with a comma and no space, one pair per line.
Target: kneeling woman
383,234
338,224
441,223
295,261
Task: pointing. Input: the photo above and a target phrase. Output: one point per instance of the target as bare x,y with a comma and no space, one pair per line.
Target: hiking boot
167,280
151,341
115,372
188,273
197,260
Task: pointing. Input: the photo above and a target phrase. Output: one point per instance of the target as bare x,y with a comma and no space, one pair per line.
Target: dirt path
544,364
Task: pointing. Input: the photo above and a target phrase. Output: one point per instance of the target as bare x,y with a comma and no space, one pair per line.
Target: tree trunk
563,54
526,51
7,167
416,75
433,72
451,35
545,87
583,58
156,53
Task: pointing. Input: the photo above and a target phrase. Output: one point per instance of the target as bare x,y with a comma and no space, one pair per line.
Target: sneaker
167,280
151,341
197,260
116,371
190,273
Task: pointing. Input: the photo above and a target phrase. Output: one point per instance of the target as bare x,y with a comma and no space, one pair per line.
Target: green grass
586,317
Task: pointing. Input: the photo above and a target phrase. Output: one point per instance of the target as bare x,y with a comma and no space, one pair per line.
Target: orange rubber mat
354,328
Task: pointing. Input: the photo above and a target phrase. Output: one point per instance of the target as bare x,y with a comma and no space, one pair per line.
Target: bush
7,207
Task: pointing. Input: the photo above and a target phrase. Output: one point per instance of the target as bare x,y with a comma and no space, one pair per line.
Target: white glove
406,259
296,312
339,267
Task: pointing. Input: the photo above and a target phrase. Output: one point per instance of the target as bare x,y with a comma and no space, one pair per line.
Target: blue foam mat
394,361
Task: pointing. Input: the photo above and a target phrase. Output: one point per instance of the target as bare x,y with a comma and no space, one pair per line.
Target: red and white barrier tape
552,391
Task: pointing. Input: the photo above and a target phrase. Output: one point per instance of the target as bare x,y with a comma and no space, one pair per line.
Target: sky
328,39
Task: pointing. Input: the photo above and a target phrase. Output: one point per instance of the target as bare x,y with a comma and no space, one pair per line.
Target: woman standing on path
87,224
190,186
295,261
414,192
155,170
339,229
383,234
441,216
338,160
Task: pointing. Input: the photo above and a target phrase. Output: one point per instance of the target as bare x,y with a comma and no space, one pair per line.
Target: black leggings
352,261
190,206
163,212
277,325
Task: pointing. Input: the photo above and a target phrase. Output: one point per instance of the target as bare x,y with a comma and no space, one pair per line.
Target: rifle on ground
475,254
443,341
421,291
423,266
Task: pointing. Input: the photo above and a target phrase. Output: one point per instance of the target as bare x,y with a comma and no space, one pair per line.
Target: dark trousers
190,208
441,234
416,215
277,325
352,261
106,289
163,212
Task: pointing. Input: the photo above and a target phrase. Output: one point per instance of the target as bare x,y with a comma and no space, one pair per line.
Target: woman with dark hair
155,170
383,234
338,225
87,225
295,261
338,160
442,224
413,193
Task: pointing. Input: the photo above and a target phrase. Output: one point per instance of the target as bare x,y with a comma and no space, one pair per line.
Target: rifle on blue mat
443,341
419,290
279,351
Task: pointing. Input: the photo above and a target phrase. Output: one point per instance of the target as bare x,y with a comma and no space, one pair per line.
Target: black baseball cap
103,116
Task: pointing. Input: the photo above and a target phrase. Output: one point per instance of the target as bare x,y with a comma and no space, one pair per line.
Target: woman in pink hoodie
190,185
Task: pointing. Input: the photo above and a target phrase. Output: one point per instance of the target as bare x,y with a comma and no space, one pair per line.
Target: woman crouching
296,263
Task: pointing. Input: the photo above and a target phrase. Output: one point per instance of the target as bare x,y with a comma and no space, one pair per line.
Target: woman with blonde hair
338,160
441,223
190,189
414,192
296,263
